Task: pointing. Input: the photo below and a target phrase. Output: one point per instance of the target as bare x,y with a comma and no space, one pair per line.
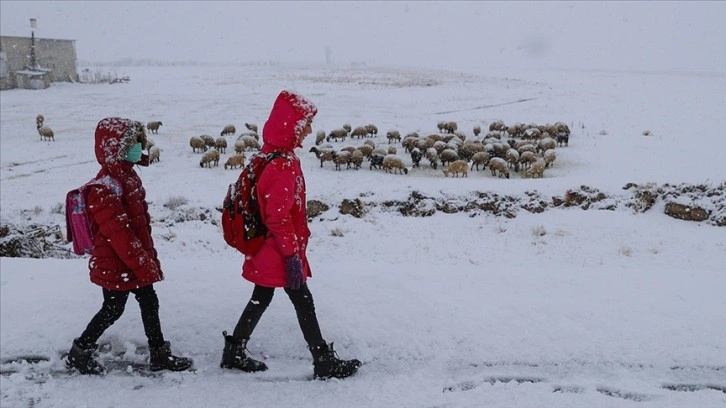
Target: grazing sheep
347,127
323,154
340,158
393,136
319,137
366,150
208,140
377,161
372,130
549,157
448,156
221,144
441,125
526,159
337,134
394,164
537,169
451,127
477,130
237,160
432,156
459,166
45,132
209,158
512,157
409,143
498,126
197,142
249,141
392,150
240,146
546,143
370,143
251,127
416,156
563,133
498,165
356,159
154,153
480,158
360,132
228,130
153,126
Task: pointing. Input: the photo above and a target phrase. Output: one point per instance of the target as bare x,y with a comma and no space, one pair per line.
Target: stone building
56,61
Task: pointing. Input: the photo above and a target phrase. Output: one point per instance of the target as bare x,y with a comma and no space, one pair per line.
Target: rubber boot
160,358
235,356
83,359
327,364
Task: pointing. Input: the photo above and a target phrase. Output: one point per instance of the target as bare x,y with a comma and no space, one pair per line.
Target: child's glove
294,269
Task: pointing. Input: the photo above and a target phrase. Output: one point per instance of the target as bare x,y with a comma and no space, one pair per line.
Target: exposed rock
352,207
315,208
686,212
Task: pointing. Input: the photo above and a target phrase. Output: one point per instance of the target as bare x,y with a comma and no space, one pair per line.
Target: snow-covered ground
564,308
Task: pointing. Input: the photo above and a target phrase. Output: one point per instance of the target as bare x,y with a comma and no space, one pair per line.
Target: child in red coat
123,259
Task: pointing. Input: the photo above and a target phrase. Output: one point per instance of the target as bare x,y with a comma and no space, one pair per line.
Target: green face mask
134,154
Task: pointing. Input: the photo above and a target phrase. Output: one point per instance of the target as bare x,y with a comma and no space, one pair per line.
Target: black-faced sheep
45,132
251,127
563,133
237,160
39,120
393,136
153,126
537,169
221,144
228,130
456,168
197,143
394,164
154,154
377,161
416,156
498,165
209,158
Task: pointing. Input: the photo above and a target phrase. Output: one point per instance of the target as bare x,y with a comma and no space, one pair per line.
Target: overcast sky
660,36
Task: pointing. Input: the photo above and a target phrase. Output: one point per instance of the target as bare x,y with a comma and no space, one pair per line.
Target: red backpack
78,222
242,225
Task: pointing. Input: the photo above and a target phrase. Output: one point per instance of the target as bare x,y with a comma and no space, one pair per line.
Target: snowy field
564,308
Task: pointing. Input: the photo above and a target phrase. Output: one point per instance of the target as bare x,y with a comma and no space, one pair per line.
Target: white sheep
323,154
546,143
250,142
45,132
356,159
527,159
197,143
448,156
537,169
228,130
154,153
237,160
498,165
221,144
153,126
337,134
208,140
432,156
456,168
393,164
209,158
360,132
549,157
319,137
340,158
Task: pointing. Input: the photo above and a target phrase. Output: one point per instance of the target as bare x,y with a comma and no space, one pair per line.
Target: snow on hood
288,116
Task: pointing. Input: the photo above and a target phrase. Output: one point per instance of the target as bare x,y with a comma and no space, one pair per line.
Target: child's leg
302,299
113,306
149,306
261,298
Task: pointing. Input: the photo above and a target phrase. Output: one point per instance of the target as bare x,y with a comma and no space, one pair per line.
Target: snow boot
160,358
82,359
235,356
327,364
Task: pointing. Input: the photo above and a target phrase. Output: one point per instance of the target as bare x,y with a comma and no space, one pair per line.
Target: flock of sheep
504,149
527,148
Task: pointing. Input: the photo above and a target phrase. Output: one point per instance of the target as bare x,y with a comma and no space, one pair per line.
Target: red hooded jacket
281,194
123,256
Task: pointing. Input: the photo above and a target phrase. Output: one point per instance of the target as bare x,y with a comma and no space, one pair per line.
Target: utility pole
33,25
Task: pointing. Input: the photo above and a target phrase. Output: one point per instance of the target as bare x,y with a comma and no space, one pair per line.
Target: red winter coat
123,256
281,195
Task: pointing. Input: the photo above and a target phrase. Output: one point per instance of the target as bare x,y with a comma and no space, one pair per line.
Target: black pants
301,299
113,306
